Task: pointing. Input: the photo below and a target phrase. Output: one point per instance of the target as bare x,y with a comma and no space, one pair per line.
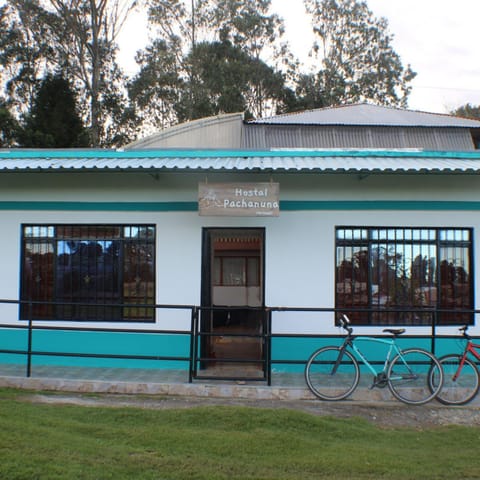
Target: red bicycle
461,375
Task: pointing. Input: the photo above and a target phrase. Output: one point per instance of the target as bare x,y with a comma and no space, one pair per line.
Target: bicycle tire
464,388
409,376
325,384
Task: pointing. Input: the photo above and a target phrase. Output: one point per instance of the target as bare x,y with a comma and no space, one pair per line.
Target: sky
438,38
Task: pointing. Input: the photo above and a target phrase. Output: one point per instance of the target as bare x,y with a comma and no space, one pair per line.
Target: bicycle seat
394,331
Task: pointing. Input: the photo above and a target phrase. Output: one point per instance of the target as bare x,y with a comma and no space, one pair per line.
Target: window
395,273
88,272
231,269
236,259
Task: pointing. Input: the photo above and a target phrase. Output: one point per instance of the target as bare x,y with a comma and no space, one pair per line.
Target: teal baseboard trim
431,205
285,206
103,206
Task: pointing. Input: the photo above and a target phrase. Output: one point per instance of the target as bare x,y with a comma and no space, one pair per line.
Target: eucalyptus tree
176,80
9,127
225,76
358,62
248,24
309,93
92,27
467,111
156,89
26,51
77,38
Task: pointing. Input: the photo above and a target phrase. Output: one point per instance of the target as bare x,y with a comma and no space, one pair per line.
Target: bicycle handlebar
464,330
345,323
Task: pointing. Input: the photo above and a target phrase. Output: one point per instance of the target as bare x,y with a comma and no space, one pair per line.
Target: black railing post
29,346
193,343
268,346
434,330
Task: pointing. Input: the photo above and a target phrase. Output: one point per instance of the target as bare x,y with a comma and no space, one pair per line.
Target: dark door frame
206,282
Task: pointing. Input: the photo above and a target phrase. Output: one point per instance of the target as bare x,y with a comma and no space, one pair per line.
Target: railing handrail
194,331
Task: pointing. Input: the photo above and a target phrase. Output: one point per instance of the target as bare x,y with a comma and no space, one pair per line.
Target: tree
202,44
76,38
467,111
53,121
8,126
221,82
225,76
92,27
247,24
250,26
308,93
25,51
156,89
358,60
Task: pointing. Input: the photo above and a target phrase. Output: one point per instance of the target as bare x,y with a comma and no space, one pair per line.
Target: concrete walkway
149,381
285,386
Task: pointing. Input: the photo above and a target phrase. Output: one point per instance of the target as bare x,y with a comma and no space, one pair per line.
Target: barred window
395,273
88,272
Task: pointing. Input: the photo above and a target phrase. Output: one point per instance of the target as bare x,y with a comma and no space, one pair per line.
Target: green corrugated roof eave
187,153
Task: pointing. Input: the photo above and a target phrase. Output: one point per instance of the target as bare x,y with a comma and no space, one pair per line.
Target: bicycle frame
392,347
470,348
393,351
379,376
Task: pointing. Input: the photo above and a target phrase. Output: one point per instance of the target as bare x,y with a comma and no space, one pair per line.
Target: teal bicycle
333,373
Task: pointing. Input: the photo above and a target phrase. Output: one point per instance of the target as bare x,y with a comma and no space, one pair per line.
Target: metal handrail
195,335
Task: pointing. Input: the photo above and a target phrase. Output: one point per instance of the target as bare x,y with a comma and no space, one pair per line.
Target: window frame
444,316
110,300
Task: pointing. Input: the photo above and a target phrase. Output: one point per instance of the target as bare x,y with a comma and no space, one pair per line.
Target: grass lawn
39,441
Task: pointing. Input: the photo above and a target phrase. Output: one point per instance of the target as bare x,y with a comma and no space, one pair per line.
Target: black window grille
396,274
88,272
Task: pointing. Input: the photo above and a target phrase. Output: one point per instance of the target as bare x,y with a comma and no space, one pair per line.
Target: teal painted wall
298,349
100,343
289,354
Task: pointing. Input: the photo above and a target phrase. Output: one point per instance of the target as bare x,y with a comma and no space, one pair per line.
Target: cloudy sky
438,38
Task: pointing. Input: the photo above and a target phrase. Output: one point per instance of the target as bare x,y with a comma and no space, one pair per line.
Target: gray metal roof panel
368,115
349,136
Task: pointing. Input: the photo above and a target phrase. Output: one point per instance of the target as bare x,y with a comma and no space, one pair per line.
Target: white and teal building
112,257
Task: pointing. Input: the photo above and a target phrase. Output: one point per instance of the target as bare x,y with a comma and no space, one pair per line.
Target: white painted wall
299,245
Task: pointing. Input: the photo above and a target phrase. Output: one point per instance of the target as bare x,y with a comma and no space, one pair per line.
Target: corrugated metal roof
321,161
360,137
366,114
197,133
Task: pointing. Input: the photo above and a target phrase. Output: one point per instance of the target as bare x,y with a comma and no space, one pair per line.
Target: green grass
40,441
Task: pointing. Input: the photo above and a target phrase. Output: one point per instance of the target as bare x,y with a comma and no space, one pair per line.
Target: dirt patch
385,414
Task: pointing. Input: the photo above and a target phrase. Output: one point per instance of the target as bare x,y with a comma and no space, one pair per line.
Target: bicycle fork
460,367
340,357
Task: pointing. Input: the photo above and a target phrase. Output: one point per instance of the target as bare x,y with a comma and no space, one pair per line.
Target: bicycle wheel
461,390
409,375
328,383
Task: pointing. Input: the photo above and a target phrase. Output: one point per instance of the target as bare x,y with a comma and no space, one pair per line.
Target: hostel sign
239,199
